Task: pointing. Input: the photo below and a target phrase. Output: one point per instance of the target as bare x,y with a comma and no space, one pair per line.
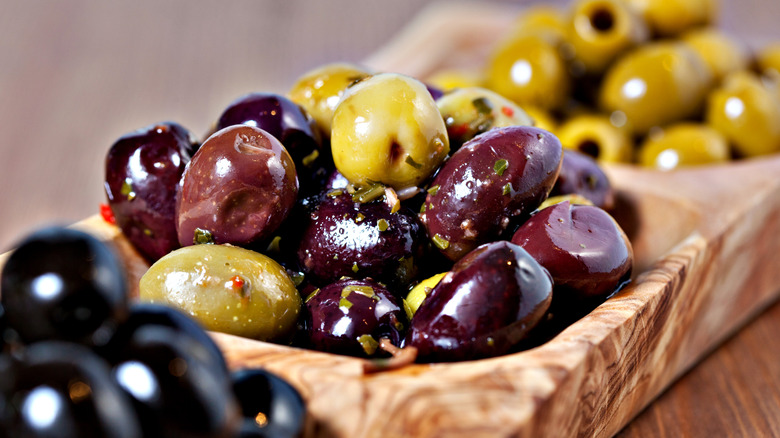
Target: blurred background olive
684,144
598,136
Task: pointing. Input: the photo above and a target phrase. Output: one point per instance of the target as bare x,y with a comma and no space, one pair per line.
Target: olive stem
399,358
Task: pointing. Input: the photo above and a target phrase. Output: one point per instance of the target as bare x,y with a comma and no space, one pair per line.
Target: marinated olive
768,59
583,248
238,188
489,184
471,111
319,91
684,144
141,173
672,17
448,80
748,113
348,238
271,407
418,293
580,175
656,84
352,316
227,289
722,53
488,303
529,70
387,129
597,136
542,19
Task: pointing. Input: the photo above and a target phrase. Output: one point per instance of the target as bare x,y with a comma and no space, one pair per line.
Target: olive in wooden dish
581,175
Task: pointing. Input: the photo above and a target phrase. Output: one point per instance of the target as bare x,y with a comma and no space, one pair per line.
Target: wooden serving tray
706,243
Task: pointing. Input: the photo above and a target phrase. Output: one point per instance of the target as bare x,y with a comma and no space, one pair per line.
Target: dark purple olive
173,390
583,248
238,188
143,169
347,238
435,92
63,284
64,390
489,184
335,181
271,407
3,325
291,125
485,305
351,316
581,175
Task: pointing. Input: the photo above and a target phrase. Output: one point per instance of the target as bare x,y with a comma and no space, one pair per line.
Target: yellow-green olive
572,198
227,289
768,59
541,19
722,53
418,293
597,136
319,91
683,144
541,118
447,80
672,17
388,129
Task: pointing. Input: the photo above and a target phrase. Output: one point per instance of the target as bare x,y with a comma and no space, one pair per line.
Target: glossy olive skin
722,53
351,316
259,391
288,123
596,136
684,144
473,200
581,175
483,307
64,390
63,284
583,248
239,187
142,171
345,238
672,17
227,289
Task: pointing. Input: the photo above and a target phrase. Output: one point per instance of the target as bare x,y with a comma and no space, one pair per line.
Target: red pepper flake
107,214
460,129
237,281
509,112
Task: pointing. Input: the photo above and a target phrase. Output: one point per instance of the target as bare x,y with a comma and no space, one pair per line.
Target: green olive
656,84
447,80
596,135
388,129
768,59
542,119
529,70
471,111
722,53
673,17
319,91
747,112
541,19
600,30
683,144
227,289
419,292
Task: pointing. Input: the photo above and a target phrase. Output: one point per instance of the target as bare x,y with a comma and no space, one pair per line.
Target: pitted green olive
684,144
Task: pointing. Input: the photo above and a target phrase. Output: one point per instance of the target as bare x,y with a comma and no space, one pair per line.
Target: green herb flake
297,278
202,237
148,232
344,304
500,166
368,193
482,105
491,342
334,193
127,189
335,257
582,245
368,343
507,189
355,267
423,208
360,217
274,245
434,190
311,295
382,225
408,309
441,242
309,159
410,161
366,291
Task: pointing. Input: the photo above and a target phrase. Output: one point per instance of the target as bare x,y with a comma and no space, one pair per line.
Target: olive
672,17
319,91
227,289
722,53
541,118
63,284
418,293
684,144
487,304
489,184
271,407
656,84
471,111
142,171
583,248
541,19
387,129
601,30
597,136
528,69
768,59
448,80
352,316
238,188
747,113
3,325
348,238
581,175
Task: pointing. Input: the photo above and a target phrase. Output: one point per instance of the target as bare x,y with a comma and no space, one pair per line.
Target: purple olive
351,316
143,169
581,175
347,238
583,248
238,188
489,184
484,306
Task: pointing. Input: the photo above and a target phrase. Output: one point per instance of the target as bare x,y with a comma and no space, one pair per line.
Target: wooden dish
705,242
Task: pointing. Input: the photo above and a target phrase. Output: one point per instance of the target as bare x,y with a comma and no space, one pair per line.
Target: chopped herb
127,189
368,193
309,159
482,105
540,136
391,197
297,278
355,267
366,291
441,242
582,245
408,309
422,208
434,190
368,343
311,295
344,304
334,193
202,236
396,207
490,342
148,232
507,189
274,245
335,257
430,205
500,166
359,218
410,161
382,225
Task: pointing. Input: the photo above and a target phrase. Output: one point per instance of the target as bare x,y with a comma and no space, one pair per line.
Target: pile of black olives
77,360
371,215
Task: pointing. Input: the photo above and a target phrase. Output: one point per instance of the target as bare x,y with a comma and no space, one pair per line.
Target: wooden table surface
76,75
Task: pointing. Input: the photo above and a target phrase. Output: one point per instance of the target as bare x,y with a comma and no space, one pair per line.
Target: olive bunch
645,81
78,361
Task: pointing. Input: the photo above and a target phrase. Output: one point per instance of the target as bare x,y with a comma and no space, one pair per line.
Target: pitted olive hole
589,147
251,144
602,20
395,152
